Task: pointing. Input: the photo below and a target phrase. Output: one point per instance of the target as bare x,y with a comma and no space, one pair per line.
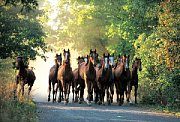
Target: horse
102,77
110,83
25,75
53,77
77,83
134,78
65,76
87,73
120,82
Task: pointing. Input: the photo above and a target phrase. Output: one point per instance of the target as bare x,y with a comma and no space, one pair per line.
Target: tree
21,33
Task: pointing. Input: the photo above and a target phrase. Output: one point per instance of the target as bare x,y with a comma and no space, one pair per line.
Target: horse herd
98,75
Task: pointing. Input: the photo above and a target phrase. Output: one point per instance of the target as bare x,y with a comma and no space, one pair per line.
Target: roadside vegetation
13,110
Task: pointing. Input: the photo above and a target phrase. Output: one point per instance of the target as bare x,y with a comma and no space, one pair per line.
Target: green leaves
20,35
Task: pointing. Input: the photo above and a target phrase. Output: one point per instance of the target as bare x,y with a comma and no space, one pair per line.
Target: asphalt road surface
74,112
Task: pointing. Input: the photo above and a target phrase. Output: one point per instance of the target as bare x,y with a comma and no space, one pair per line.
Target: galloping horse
53,76
120,81
77,83
65,76
102,77
110,83
134,77
87,73
25,75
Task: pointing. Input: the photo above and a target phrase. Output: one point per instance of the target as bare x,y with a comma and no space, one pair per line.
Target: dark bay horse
65,76
77,82
102,77
134,77
25,75
87,73
110,83
53,76
120,82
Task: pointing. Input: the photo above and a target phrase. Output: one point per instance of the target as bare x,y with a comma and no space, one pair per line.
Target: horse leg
53,92
16,86
112,92
30,87
135,93
22,87
60,90
89,92
73,90
108,96
49,87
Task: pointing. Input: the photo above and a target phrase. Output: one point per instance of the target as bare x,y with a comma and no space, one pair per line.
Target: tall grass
16,110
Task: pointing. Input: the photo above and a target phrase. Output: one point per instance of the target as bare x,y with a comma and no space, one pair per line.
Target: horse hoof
76,99
48,99
89,103
65,102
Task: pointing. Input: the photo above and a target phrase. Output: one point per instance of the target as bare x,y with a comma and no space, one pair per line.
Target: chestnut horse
65,76
87,73
134,77
102,77
120,75
25,75
53,77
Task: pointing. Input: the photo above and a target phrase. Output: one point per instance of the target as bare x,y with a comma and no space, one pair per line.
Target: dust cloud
41,69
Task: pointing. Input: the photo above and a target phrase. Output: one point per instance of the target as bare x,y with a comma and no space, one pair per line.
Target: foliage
159,53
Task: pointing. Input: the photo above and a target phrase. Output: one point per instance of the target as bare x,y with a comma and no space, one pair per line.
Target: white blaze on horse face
106,62
66,56
111,61
85,59
126,63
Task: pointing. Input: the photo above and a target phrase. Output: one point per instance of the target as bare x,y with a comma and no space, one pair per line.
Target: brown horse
110,83
53,77
102,77
77,83
120,82
134,77
87,73
24,76
65,76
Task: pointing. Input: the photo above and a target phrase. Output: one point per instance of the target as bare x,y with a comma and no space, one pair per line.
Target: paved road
74,112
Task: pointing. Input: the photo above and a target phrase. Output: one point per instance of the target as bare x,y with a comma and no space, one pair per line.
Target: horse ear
64,50
136,58
90,50
68,49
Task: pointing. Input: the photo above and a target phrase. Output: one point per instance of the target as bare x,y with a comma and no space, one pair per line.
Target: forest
147,29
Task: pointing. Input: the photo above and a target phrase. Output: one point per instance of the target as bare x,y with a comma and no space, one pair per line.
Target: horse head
93,56
58,59
137,64
111,60
126,62
20,63
67,56
105,61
